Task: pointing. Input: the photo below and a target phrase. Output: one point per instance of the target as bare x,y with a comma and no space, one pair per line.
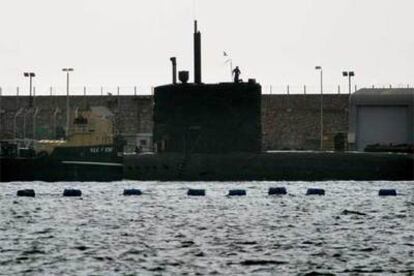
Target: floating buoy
237,193
387,192
131,192
277,191
196,192
348,212
72,192
315,191
26,193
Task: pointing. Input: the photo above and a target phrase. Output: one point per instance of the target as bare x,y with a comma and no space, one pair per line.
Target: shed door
382,125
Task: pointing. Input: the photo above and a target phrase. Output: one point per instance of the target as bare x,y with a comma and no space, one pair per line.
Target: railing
81,91
149,90
327,89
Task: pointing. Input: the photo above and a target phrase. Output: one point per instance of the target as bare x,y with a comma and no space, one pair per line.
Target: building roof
383,96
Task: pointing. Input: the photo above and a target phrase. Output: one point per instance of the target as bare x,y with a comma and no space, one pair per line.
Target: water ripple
350,230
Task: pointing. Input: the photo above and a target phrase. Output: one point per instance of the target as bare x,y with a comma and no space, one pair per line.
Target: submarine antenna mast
197,54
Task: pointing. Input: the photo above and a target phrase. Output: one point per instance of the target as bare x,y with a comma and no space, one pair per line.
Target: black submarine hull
269,166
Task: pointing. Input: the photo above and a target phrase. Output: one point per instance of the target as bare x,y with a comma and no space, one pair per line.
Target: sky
278,42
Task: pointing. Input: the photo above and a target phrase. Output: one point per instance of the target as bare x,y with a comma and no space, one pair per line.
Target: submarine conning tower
206,118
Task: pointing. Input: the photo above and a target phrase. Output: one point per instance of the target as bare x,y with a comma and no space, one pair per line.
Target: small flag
225,54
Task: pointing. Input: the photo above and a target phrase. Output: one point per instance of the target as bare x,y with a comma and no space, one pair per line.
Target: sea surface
349,231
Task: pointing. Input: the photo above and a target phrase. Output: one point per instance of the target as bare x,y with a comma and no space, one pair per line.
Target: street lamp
319,68
348,74
30,75
67,70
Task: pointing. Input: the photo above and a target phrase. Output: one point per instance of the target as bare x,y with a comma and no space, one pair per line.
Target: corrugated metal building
381,116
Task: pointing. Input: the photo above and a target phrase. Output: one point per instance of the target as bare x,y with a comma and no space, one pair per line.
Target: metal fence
149,90
79,91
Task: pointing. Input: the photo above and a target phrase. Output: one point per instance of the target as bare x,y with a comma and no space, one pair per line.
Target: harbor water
350,230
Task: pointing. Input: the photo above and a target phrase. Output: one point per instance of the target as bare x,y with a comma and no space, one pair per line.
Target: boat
91,152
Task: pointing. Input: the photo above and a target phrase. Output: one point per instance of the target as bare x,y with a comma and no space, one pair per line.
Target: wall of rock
292,122
288,121
132,114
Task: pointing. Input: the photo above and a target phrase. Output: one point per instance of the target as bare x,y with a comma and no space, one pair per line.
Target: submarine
213,132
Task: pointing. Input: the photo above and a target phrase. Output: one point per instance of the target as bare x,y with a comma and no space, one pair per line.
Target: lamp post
319,68
30,75
67,70
348,74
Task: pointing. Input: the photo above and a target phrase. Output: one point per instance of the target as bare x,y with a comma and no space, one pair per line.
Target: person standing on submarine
236,73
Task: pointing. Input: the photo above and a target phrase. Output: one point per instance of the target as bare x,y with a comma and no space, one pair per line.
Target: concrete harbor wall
288,121
47,118
292,122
